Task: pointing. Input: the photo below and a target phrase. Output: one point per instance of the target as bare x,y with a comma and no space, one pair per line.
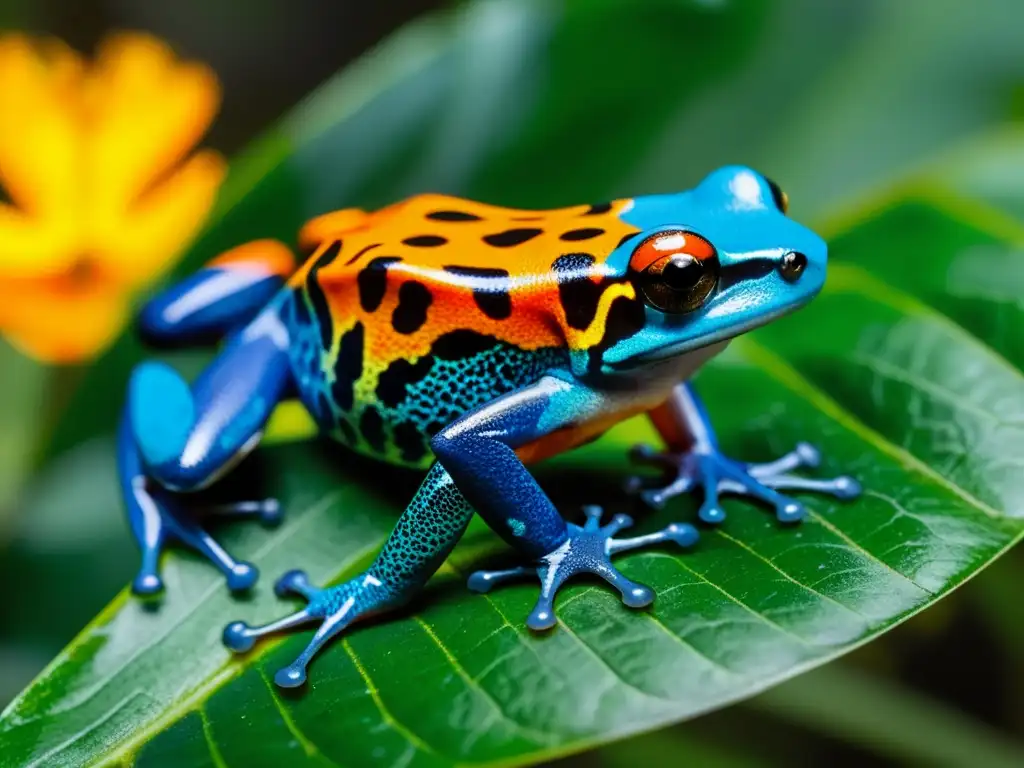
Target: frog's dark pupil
682,272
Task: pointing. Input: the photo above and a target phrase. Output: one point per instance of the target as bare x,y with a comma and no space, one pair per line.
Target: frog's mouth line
725,334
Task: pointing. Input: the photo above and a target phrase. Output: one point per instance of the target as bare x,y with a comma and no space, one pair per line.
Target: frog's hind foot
336,607
718,474
166,520
587,550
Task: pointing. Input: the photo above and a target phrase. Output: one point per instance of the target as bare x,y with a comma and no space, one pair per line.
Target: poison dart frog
470,340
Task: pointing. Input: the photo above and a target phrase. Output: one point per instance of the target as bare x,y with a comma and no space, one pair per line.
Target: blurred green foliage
889,123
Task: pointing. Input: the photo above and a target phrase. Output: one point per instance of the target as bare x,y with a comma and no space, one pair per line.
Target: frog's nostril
792,266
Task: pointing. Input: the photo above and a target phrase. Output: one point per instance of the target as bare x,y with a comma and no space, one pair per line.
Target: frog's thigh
479,452
188,436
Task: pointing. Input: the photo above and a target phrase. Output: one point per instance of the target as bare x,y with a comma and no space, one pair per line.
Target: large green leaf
902,379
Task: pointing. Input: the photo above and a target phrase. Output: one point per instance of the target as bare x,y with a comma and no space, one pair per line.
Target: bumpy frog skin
471,340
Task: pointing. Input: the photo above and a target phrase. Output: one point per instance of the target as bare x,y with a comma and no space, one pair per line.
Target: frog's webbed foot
718,474
166,519
337,607
587,550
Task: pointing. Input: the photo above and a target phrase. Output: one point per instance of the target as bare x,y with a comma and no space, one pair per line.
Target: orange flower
103,193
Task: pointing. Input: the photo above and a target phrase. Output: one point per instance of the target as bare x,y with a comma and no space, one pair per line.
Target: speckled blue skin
176,437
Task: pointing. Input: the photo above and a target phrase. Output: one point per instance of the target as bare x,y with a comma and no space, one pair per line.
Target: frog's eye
677,270
781,198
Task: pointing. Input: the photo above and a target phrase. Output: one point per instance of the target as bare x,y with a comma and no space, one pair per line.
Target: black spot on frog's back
414,299
490,289
452,216
425,241
349,366
578,293
512,237
462,344
395,380
372,282
316,294
584,233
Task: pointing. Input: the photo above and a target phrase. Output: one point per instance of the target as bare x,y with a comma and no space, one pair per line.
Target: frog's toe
291,676
711,512
147,584
588,549
238,637
242,576
336,607
845,487
267,511
166,519
295,583
790,512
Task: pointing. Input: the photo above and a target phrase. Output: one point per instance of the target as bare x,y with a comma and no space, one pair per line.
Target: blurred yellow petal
148,110
136,249
105,195
30,247
61,320
40,127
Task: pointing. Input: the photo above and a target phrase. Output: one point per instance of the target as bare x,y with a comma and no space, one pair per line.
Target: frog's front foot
718,474
587,550
337,607
166,516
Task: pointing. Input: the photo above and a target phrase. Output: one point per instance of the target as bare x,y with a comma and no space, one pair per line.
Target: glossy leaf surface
900,374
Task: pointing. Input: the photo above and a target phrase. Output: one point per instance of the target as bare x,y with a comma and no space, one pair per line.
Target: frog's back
405,318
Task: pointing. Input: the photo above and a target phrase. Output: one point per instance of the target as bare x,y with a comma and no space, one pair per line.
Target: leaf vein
530,733
371,688
307,744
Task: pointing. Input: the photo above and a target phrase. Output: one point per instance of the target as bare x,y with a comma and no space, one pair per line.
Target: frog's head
709,264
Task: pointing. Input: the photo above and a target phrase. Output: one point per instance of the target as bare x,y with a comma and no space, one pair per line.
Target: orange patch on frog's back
446,245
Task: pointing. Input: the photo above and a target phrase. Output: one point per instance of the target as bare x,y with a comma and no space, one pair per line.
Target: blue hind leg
425,534
695,460
175,438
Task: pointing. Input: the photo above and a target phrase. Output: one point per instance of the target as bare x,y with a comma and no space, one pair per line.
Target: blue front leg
479,452
174,438
695,460
477,467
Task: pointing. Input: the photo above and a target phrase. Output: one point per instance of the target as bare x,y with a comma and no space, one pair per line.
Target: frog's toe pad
588,549
242,576
238,637
291,676
147,584
845,487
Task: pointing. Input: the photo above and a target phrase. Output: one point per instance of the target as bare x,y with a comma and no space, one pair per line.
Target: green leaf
901,378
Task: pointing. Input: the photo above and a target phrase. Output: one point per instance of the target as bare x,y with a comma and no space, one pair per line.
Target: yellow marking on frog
595,332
